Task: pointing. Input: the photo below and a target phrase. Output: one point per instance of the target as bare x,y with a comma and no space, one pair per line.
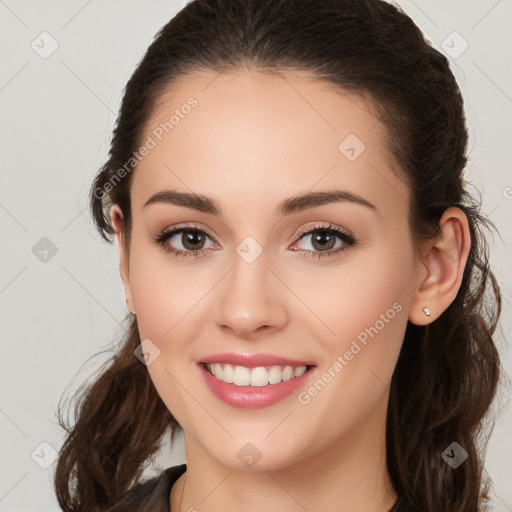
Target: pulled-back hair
447,372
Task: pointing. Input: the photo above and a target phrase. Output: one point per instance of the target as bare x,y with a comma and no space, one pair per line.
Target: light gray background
57,114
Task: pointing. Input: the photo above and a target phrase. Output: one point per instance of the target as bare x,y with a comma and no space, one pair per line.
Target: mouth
259,376
255,387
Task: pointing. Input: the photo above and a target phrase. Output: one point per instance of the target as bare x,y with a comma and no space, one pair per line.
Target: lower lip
253,397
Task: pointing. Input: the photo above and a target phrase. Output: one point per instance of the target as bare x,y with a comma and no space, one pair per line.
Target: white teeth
228,374
257,377
300,371
274,375
242,376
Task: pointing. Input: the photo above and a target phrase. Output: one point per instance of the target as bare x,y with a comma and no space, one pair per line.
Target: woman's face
250,283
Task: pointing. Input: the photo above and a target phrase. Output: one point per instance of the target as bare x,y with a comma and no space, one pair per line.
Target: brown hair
447,373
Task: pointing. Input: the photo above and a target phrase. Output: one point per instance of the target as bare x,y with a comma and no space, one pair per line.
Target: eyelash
349,239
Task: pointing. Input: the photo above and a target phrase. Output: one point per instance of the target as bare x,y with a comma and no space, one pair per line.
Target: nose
251,300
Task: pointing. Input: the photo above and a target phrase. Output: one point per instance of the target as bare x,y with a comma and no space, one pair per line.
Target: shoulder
153,494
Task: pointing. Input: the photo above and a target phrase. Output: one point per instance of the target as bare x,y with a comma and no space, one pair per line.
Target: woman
305,268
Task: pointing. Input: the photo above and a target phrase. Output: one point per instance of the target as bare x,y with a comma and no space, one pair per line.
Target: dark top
153,495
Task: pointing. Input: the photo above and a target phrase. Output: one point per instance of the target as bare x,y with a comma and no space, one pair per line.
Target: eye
324,240
191,238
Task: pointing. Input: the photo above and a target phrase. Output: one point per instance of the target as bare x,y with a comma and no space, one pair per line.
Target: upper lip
253,360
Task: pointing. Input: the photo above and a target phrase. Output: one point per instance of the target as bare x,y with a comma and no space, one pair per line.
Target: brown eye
186,242
323,241
192,240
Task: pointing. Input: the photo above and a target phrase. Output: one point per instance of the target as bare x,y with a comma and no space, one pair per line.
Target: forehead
263,134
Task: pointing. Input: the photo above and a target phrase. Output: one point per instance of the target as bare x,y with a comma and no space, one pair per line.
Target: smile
256,387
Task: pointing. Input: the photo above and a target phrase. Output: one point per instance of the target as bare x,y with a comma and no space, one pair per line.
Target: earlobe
442,268
116,218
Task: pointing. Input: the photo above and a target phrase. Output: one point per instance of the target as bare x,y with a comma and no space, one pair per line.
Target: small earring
426,311
132,312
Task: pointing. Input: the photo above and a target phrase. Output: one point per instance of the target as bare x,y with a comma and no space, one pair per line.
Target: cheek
369,318
367,312
370,288
164,290
165,296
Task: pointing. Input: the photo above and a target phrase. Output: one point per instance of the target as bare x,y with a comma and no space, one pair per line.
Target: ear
116,217
442,268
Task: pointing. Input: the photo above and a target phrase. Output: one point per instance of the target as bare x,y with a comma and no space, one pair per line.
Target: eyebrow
293,204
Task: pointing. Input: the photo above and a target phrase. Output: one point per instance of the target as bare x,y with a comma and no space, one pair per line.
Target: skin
254,140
